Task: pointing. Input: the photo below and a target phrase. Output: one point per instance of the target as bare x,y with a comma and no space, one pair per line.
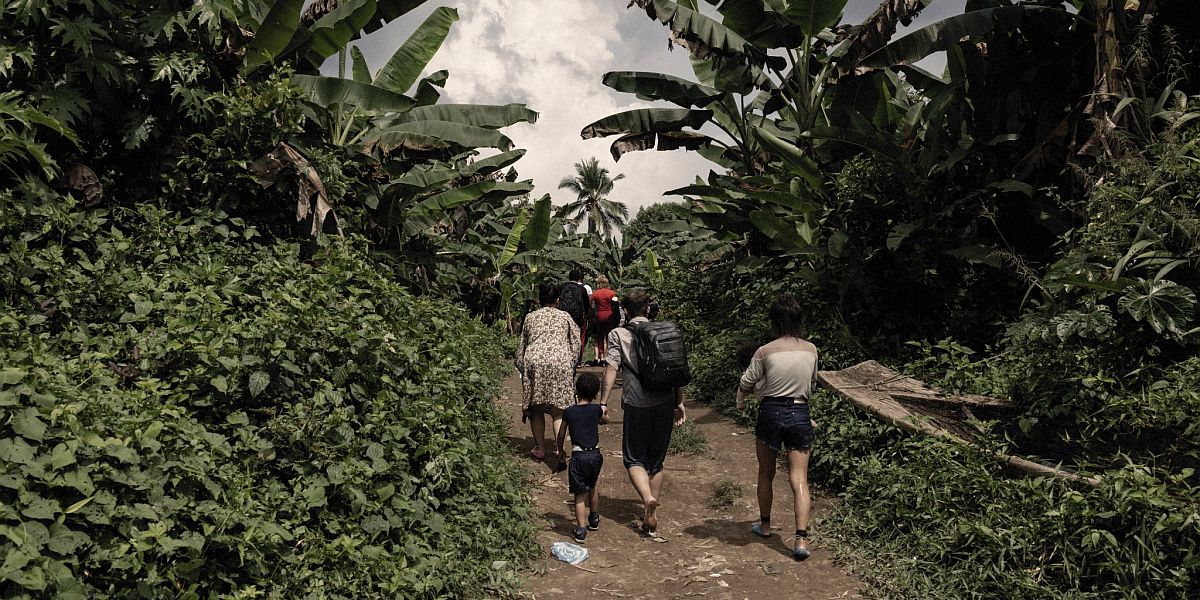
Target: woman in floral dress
546,359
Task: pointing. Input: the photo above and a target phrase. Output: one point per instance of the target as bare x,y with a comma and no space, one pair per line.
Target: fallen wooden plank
880,391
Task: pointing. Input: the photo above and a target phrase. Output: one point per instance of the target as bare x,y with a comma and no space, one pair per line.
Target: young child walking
583,421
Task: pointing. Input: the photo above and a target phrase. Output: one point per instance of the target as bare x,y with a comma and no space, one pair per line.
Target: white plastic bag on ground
568,552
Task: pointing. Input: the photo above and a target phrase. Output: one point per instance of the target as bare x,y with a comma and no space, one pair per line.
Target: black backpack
661,355
573,300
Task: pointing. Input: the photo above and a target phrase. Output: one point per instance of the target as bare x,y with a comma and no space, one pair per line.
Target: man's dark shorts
646,435
782,423
584,470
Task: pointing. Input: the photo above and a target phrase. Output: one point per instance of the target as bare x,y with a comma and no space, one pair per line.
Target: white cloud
551,56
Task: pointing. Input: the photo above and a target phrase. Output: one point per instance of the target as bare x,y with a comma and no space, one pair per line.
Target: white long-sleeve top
785,367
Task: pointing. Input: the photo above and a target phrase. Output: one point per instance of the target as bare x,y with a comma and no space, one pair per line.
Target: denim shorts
584,470
783,422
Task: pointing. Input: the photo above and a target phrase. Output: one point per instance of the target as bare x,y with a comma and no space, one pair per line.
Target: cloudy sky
551,56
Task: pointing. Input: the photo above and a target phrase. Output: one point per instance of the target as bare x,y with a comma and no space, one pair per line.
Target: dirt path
709,553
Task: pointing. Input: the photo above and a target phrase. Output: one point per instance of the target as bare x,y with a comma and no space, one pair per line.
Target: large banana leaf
427,92
338,27
419,133
388,10
478,115
783,232
406,64
328,91
456,197
801,164
814,16
657,86
882,147
705,37
943,34
359,71
513,242
432,177
644,120
537,234
758,23
273,36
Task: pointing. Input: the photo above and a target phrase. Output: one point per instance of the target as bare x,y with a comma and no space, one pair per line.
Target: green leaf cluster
188,409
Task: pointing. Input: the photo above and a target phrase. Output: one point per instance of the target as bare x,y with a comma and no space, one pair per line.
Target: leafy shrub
187,409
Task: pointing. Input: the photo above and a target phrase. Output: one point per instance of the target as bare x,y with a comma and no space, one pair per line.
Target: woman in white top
784,368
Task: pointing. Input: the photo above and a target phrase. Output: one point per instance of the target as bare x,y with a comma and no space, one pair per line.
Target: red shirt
603,299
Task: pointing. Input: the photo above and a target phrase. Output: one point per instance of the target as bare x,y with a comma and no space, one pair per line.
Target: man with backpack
651,356
576,299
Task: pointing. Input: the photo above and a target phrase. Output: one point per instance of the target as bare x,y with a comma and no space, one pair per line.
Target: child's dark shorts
783,422
584,470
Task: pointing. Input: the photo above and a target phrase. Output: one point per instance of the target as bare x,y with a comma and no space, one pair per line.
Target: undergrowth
188,410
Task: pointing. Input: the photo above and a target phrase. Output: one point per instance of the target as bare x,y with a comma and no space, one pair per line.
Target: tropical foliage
1019,225
591,185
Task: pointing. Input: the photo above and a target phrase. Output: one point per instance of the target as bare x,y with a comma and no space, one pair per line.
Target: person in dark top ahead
583,420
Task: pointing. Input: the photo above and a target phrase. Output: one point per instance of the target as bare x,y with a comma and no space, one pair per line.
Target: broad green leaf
814,16
406,64
704,35
359,69
437,134
61,456
11,376
800,163
948,32
1163,304
779,230
389,10
477,115
427,89
16,450
537,234
898,234
513,242
642,120
463,195
330,91
673,226
491,164
29,425
657,86
329,34
259,380
274,34
880,146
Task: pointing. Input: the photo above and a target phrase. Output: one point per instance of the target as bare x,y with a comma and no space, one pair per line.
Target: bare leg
556,416
766,479
594,500
581,511
798,477
537,426
642,482
656,485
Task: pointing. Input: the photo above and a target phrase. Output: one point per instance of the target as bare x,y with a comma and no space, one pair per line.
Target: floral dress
546,358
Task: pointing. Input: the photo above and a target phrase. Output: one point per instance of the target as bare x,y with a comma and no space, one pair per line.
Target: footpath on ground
708,553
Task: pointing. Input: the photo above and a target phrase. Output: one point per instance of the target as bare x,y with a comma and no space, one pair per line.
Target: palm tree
591,186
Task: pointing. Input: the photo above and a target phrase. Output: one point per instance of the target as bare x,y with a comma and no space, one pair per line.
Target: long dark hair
784,315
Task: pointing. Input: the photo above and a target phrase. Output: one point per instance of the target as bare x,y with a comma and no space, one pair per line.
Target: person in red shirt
608,314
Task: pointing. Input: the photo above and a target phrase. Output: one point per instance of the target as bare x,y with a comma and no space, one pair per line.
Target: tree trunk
1108,83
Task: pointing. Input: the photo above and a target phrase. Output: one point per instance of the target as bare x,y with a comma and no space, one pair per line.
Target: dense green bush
188,410
929,518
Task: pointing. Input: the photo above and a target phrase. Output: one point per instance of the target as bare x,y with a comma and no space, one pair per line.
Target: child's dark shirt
583,421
